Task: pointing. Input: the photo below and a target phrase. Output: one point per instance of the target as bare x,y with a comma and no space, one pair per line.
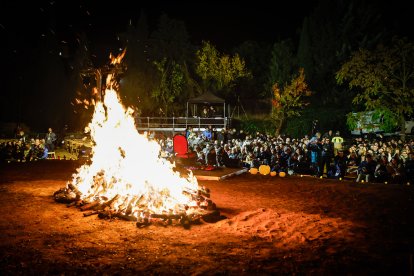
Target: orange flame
126,165
117,59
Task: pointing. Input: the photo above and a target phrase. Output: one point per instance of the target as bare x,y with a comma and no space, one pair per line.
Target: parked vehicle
370,122
366,122
409,127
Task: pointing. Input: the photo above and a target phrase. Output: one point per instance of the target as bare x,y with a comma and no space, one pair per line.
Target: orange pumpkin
264,169
253,170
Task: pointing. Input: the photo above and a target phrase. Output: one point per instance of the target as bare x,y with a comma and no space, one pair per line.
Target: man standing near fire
50,140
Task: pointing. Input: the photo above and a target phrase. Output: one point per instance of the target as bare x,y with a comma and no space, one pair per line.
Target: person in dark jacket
50,140
366,169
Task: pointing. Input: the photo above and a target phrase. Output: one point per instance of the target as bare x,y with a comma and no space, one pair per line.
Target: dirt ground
274,225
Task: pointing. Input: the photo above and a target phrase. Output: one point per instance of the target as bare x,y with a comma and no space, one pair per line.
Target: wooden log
89,206
73,188
90,213
185,222
125,217
74,203
124,205
143,223
128,210
212,217
111,202
64,196
106,214
203,193
168,216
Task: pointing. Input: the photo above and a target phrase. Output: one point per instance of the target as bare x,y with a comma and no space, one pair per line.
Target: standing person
337,141
189,133
22,137
326,156
204,113
328,134
315,149
50,140
212,111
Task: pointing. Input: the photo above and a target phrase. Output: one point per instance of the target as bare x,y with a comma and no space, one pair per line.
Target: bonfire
127,178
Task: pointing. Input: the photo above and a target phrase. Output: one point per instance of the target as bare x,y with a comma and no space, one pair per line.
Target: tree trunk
402,132
279,123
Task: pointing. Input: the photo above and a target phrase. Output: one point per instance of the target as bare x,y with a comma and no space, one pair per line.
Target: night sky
225,23
23,25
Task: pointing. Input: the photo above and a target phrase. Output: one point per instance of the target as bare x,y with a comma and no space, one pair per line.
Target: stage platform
218,174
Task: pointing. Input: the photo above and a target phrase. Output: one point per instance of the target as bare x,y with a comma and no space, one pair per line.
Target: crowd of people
366,159
24,148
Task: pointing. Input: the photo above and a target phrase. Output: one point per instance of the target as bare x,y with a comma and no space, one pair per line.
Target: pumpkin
264,169
253,170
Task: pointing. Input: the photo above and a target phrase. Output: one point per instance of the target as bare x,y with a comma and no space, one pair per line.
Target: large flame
126,168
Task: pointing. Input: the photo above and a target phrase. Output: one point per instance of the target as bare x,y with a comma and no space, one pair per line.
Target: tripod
238,107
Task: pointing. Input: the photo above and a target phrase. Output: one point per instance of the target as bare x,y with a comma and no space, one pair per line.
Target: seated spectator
201,158
293,164
263,156
395,170
366,169
341,164
222,157
353,162
409,168
381,173
248,161
36,150
211,157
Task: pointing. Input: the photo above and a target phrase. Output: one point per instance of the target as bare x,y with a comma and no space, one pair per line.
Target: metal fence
180,123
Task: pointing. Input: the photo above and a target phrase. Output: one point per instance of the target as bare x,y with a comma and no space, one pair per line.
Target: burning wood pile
136,207
126,177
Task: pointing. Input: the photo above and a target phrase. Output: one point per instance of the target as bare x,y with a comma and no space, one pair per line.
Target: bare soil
273,225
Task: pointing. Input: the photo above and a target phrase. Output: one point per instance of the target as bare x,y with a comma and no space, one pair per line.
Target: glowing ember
126,176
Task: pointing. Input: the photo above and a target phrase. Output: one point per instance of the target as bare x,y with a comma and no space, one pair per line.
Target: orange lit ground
275,226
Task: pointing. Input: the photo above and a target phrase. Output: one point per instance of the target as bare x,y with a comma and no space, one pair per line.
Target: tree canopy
290,101
383,78
219,72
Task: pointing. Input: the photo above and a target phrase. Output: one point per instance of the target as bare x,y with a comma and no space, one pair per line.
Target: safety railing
180,123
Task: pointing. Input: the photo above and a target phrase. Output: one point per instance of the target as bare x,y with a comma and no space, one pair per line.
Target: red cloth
180,146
